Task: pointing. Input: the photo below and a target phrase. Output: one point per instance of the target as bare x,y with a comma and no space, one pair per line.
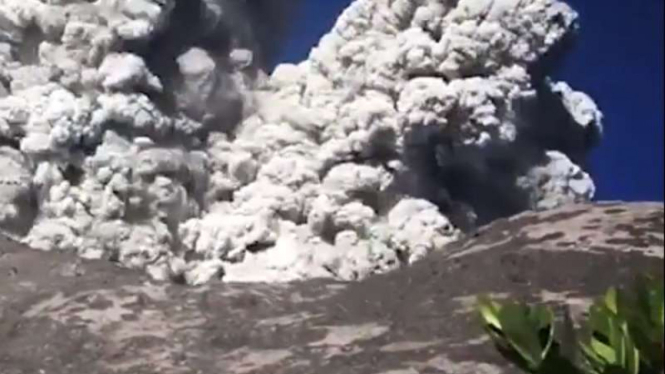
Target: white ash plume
146,132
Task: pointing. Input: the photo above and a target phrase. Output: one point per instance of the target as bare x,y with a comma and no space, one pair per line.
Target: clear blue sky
618,61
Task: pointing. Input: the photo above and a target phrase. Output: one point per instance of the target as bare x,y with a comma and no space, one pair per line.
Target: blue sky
618,61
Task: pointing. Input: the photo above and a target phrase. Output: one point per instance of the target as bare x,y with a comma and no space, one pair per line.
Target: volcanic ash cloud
146,132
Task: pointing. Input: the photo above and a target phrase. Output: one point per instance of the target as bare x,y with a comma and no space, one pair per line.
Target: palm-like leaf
624,334
523,332
609,345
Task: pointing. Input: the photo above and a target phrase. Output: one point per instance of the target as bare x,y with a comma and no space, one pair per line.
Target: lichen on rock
174,152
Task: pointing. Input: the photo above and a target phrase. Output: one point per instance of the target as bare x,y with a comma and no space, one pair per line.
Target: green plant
622,335
609,346
522,332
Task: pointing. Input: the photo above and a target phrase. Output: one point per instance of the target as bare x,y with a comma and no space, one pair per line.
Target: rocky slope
146,133
60,315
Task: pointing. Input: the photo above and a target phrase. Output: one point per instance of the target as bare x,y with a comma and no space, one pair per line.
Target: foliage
623,334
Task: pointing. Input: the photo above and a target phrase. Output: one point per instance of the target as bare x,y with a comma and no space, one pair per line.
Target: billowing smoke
210,53
148,133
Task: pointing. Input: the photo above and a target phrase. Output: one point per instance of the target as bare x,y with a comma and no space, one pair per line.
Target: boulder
60,314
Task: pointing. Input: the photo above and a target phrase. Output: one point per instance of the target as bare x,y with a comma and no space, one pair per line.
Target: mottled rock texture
62,315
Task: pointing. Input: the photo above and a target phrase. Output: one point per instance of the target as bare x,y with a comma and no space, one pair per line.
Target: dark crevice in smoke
27,50
466,179
214,27
256,25
187,27
428,74
73,174
10,142
550,125
5,83
29,212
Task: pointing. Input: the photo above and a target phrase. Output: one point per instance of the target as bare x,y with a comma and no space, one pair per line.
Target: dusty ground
61,315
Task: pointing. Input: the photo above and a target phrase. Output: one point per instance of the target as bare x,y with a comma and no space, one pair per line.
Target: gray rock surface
60,314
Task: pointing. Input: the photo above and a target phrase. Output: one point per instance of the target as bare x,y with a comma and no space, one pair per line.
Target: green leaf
526,333
522,334
610,345
611,300
603,352
593,363
642,307
546,328
489,311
